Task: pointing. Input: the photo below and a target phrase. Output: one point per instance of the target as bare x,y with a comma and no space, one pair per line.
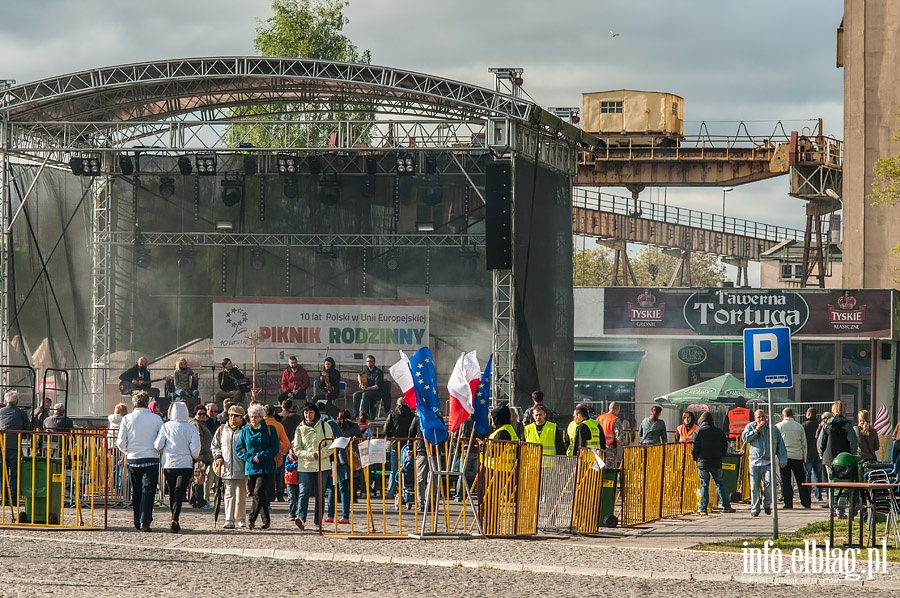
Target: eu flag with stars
421,364
483,400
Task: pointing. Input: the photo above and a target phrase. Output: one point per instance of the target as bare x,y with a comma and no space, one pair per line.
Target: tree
304,29
594,267
308,29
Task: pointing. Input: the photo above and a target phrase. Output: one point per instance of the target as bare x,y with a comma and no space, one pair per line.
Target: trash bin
731,475
46,487
608,497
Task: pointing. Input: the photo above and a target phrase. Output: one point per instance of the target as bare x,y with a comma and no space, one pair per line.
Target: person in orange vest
737,419
613,434
685,432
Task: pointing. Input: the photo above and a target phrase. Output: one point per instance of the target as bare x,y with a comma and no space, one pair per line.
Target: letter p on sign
768,340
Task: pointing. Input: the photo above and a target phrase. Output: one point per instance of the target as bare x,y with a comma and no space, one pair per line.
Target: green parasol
724,389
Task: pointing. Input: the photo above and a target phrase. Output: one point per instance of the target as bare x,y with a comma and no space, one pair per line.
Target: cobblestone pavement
284,561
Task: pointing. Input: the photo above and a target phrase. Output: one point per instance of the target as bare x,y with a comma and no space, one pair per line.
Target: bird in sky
614,34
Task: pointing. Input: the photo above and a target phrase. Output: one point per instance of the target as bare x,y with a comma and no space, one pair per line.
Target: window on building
714,365
610,107
817,359
856,359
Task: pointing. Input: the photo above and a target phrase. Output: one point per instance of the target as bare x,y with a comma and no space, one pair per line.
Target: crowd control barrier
425,488
662,481
509,488
53,479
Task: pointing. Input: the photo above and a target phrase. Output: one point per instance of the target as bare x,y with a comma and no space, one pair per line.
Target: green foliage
594,267
304,29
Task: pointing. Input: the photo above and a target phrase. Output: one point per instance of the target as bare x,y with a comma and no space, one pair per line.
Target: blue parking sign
767,358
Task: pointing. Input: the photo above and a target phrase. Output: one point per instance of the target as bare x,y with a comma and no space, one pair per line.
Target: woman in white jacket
230,468
179,442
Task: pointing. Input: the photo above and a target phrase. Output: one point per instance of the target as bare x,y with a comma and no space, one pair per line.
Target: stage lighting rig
206,164
232,189
85,164
286,165
126,165
186,258
406,165
166,187
185,166
257,258
329,189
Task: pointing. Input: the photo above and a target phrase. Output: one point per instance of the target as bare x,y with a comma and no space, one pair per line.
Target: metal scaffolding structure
157,112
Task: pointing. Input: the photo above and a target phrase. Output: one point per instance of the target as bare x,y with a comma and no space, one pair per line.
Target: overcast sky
758,62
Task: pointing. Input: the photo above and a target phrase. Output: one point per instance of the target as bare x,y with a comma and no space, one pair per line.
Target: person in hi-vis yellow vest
546,434
502,457
587,432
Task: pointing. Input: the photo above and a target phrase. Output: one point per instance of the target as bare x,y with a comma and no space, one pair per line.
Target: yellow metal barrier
510,478
53,479
588,494
662,481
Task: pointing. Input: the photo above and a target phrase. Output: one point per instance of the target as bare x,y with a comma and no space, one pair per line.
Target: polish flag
403,377
462,387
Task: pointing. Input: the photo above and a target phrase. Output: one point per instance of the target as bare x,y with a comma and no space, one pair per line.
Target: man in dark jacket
12,418
710,445
813,464
397,426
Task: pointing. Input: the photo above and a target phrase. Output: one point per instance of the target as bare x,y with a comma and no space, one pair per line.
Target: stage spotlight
257,258
431,193
85,165
126,165
185,166
232,191
142,256
250,165
329,189
368,186
76,165
286,164
392,260
424,227
291,190
406,165
206,164
315,164
431,165
186,259
224,226
371,165
166,187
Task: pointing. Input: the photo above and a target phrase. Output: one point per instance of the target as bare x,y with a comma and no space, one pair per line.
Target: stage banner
311,329
725,312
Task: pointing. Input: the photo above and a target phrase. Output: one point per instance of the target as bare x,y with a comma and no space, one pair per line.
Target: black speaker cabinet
498,215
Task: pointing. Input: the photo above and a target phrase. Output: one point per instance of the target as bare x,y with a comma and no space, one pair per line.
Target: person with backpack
837,436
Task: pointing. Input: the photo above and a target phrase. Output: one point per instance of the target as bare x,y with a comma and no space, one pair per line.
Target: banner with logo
815,313
311,329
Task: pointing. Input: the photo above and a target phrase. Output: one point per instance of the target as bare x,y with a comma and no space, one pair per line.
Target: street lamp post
724,191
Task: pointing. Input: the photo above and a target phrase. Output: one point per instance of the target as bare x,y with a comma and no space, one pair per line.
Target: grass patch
817,531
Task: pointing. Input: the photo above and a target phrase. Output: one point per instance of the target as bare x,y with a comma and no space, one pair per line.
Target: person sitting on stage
232,383
183,380
137,377
371,383
294,381
329,387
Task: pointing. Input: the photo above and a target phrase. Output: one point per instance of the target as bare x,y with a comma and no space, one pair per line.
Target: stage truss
158,111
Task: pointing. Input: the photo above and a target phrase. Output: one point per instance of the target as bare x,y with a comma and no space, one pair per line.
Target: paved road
284,561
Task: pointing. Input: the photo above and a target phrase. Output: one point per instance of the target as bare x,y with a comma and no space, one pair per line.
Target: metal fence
54,479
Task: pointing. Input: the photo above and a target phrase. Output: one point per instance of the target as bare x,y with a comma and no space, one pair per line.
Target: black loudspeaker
498,215
885,351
